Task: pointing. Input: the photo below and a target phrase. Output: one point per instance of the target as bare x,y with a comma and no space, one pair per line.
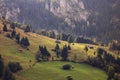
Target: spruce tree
26,42
1,66
13,34
43,53
57,47
64,54
70,39
57,50
5,28
18,38
28,29
69,47
8,75
12,25
22,41
86,49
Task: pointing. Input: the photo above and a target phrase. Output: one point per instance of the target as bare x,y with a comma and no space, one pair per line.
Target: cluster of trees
22,41
62,53
6,72
25,42
5,28
65,37
28,29
43,54
114,45
14,66
107,62
83,40
14,35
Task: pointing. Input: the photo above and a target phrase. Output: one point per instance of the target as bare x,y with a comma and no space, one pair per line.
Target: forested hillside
89,18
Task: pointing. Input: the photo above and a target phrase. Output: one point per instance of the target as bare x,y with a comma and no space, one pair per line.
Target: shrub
69,78
8,75
14,66
67,67
8,35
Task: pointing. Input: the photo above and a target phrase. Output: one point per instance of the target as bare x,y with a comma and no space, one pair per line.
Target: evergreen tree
69,48
13,34
8,75
51,34
64,54
110,73
18,38
57,47
25,42
57,50
43,54
63,37
28,29
70,39
86,49
22,41
12,25
1,66
5,28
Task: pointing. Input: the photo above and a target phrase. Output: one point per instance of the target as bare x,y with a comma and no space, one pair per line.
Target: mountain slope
98,19
9,50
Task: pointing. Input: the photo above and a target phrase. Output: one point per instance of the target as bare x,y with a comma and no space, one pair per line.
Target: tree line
107,62
44,55
65,37
6,72
24,41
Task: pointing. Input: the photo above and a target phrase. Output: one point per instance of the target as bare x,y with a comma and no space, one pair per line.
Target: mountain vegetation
59,40
97,19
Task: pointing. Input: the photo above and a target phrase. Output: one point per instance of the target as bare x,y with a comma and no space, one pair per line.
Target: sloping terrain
9,49
98,19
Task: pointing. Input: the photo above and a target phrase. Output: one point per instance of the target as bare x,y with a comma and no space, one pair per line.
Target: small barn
91,46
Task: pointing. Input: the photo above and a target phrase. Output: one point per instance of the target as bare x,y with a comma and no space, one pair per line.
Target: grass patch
53,71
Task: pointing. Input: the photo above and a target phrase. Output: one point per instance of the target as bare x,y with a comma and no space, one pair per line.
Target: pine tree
25,42
13,34
8,75
1,66
57,50
63,37
28,29
64,54
43,53
51,34
12,25
18,38
5,28
86,49
69,48
70,39
57,47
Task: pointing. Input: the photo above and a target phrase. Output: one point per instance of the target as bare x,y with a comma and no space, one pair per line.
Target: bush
67,67
8,35
14,66
69,78
8,75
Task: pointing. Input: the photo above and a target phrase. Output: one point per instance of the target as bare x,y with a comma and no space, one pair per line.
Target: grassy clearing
53,71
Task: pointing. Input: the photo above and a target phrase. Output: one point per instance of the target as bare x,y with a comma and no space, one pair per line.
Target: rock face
68,9
9,9
92,18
